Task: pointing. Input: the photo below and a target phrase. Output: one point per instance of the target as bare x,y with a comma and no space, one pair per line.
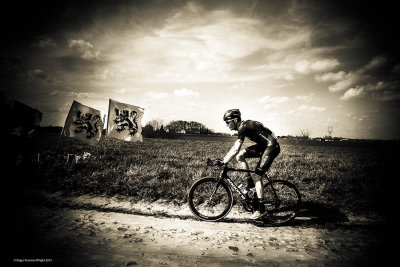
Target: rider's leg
270,153
265,162
259,205
259,186
241,159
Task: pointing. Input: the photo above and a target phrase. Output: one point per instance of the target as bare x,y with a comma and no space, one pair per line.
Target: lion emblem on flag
126,120
86,122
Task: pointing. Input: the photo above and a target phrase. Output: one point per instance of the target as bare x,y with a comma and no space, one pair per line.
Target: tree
191,127
162,129
148,130
305,133
156,123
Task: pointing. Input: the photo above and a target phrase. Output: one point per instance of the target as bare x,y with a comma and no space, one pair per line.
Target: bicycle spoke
209,202
282,203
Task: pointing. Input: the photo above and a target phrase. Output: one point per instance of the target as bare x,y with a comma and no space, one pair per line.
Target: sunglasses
227,122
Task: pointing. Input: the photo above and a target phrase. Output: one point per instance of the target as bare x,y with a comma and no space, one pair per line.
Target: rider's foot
257,215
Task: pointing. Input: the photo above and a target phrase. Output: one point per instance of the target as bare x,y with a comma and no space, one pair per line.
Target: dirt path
87,231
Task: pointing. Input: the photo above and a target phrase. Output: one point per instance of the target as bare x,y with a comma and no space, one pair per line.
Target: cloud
321,65
54,93
157,95
311,108
184,92
120,91
196,44
272,102
361,117
40,75
73,94
80,94
347,81
367,81
330,76
85,49
324,65
45,43
353,93
306,98
104,75
375,63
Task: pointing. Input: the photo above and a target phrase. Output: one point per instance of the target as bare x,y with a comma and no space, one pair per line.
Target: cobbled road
62,232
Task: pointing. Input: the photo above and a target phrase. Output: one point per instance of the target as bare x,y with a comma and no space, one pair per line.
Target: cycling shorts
267,155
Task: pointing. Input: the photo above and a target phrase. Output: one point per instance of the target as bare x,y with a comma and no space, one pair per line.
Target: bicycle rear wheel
209,202
282,202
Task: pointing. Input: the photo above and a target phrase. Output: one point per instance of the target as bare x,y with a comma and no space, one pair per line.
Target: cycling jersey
256,132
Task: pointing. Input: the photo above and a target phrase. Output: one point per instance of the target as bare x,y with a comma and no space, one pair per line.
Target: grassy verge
356,179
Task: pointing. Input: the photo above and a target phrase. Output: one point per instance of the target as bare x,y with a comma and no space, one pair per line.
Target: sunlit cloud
321,65
85,49
213,46
330,76
275,100
353,93
311,108
348,80
184,92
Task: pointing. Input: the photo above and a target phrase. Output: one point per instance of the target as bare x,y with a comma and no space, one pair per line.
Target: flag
83,123
124,121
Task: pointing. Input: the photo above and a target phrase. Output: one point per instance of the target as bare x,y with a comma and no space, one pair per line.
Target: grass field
352,177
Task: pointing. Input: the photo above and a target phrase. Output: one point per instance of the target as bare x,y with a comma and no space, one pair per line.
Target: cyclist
266,148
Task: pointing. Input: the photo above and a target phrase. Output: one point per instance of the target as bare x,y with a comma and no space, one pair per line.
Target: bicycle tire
283,206
210,209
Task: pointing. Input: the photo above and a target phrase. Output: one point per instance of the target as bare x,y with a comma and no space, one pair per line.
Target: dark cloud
368,24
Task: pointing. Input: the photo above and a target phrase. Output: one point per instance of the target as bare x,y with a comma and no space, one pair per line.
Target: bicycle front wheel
282,202
210,201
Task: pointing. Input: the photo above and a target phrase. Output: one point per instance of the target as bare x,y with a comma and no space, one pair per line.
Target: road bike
211,199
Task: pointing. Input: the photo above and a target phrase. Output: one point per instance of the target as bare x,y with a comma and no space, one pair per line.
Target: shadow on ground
320,214
311,214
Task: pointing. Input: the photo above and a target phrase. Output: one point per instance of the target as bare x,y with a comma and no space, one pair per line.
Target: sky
295,66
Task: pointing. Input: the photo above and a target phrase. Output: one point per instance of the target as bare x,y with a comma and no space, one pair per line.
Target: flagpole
108,116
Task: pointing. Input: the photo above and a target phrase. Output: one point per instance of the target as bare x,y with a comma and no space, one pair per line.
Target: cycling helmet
232,114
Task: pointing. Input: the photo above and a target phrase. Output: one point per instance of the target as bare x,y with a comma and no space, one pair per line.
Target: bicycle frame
224,176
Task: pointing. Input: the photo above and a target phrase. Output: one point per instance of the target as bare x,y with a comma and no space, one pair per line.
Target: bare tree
156,123
305,133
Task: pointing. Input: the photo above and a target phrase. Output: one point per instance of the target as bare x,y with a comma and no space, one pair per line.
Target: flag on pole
124,121
83,123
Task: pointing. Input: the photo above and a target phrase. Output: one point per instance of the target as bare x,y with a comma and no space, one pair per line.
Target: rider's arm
233,151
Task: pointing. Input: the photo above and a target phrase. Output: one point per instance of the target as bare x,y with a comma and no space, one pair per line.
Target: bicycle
211,199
